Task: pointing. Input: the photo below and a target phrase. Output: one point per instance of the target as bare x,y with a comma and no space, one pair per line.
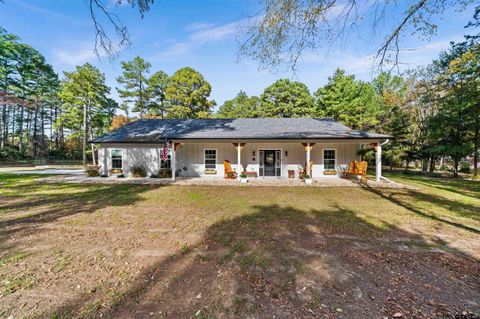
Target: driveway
47,170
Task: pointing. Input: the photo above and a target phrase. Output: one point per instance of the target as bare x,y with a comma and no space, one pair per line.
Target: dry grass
218,252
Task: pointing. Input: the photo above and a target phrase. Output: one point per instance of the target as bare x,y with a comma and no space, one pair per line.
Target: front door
270,163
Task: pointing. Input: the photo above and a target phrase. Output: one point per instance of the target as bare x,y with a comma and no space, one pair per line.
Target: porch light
286,153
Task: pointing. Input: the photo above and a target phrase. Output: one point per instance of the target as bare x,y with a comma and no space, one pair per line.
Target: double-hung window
116,159
210,159
329,158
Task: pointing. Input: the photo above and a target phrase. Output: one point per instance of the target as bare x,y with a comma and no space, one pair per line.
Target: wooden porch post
378,162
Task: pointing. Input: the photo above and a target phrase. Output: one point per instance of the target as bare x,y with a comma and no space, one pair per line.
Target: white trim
216,158
122,157
257,158
335,159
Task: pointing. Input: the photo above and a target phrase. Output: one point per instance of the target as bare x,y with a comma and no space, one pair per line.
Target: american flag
165,151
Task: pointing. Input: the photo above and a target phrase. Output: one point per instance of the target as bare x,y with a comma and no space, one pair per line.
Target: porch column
105,161
174,160
239,158
307,168
378,162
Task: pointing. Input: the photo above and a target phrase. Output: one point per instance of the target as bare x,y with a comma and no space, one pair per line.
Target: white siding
190,156
147,156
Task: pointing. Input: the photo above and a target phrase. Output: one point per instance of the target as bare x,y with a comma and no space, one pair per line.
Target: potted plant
243,178
307,179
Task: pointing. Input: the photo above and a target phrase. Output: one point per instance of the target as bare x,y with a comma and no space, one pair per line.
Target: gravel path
260,182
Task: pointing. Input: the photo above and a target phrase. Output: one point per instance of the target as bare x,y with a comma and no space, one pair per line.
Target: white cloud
72,58
215,33
82,53
201,36
196,26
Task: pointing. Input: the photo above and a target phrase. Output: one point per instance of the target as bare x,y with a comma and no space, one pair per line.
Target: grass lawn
124,251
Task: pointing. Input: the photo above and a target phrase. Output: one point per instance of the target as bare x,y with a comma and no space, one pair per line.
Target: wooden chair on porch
356,168
228,171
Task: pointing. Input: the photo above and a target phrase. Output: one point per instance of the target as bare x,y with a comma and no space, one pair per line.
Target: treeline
432,113
28,100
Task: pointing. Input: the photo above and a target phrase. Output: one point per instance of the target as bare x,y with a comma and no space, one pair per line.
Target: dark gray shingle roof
155,130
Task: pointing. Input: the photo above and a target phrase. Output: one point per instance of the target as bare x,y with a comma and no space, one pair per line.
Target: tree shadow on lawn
289,263
456,185
458,208
51,206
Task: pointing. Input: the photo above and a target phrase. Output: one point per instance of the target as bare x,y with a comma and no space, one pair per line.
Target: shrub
139,171
464,167
165,173
92,171
10,153
243,175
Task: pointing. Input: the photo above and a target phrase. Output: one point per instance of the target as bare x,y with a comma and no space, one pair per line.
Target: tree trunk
84,135
56,128
424,165
20,132
455,167
13,125
42,131
34,139
432,163
5,116
4,124
94,161
476,148
391,160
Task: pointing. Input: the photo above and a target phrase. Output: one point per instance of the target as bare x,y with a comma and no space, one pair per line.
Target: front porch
286,159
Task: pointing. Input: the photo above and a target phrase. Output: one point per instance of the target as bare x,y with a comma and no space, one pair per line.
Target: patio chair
350,170
363,171
229,173
357,169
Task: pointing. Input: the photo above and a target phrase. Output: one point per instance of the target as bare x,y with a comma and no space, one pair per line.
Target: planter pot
243,180
308,181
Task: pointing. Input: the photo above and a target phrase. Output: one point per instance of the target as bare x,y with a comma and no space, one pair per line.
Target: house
266,147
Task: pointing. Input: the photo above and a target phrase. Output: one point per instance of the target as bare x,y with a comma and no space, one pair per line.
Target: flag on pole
165,151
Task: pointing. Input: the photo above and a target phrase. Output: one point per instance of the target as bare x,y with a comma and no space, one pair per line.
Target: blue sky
202,35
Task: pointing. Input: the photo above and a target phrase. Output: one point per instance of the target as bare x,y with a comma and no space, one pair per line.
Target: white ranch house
265,147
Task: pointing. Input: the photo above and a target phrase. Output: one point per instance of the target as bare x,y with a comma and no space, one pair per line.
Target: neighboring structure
272,147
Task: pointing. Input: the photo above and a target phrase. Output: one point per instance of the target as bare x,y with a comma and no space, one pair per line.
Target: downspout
381,176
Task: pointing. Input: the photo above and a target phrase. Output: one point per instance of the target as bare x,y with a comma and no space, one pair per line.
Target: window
116,159
210,159
329,160
166,164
